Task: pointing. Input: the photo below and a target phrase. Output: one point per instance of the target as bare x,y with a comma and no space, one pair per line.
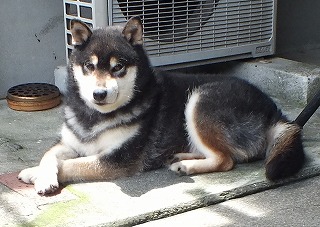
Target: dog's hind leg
217,162
185,156
208,158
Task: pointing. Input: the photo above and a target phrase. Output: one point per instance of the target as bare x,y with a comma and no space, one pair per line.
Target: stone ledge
291,81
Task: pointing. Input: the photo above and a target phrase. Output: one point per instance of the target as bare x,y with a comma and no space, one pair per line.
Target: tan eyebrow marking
94,59
113,62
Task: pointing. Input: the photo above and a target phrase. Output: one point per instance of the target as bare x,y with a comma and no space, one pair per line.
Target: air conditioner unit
190,32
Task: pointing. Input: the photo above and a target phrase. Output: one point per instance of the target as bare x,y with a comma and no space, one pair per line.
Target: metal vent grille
178,31
174,27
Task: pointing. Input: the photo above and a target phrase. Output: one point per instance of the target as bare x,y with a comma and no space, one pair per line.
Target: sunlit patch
198,217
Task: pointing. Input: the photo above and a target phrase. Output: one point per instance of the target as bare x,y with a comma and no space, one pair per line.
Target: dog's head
104,63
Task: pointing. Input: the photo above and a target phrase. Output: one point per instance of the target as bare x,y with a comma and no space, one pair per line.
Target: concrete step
291,81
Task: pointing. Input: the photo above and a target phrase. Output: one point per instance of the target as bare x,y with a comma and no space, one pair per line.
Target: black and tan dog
123,117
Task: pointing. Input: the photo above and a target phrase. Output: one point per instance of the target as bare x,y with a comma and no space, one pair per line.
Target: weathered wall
31,41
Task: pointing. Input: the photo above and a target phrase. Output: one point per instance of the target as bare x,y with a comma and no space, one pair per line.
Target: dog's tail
285,155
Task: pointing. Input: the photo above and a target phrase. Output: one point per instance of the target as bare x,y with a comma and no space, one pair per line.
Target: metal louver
186,32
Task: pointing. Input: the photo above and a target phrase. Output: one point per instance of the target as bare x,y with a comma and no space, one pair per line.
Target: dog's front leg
45,176
93,168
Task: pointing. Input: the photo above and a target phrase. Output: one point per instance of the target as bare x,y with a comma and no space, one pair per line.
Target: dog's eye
118,69
88,66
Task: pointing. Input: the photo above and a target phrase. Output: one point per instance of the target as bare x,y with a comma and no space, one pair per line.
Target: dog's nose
99,94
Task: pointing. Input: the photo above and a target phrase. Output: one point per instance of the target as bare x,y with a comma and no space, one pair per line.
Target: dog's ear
80,32
133,31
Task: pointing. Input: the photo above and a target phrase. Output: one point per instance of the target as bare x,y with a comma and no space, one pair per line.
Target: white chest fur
106,142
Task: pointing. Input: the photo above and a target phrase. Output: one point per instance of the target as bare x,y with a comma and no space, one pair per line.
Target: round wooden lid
33,96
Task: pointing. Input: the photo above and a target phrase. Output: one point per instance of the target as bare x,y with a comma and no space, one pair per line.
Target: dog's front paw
46,184
28,175
179,168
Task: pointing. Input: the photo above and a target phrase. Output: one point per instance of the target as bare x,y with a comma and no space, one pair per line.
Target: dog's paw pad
48,190
46,185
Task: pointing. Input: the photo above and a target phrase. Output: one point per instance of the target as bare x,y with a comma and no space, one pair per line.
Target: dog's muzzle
106,95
